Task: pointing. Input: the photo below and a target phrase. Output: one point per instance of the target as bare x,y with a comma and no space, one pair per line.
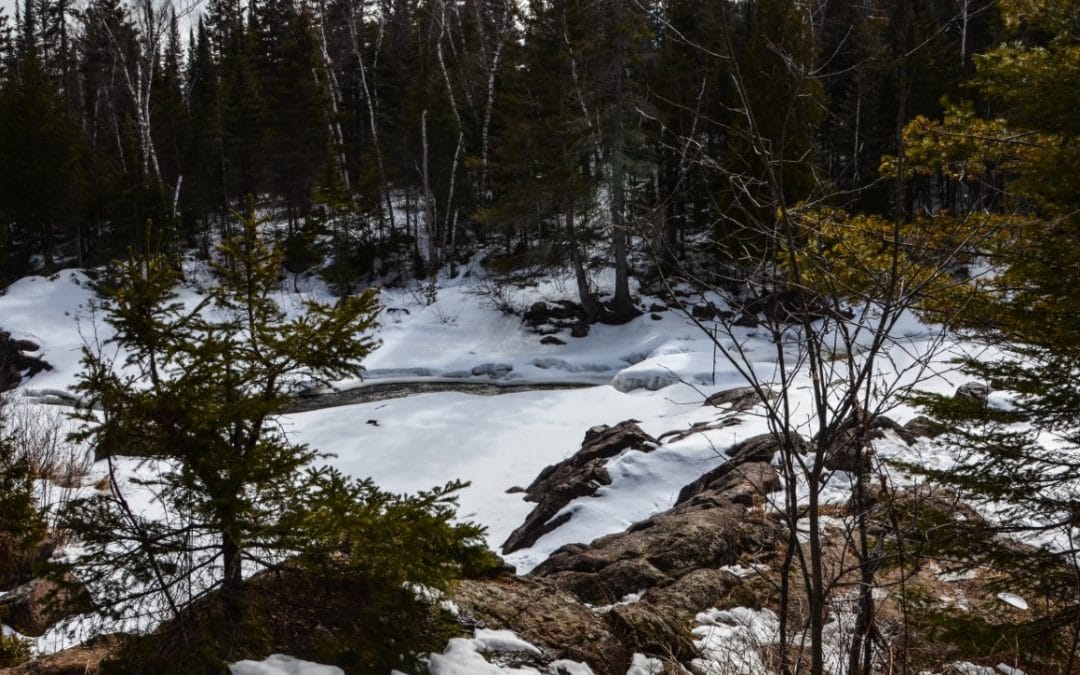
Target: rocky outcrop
707,529
15,364
738,482
637,590
579,476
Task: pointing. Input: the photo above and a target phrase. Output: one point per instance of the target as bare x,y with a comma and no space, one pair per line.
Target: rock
18,568
647,583
655,317
850,458
746,320
545,616
85,659
707,531
34,607
555,313
761,448
551,340
536,313
15,364
657,307
579,476
697,428
704,312
976,392
657,624
924,427
738,482
851,447
604,441
738,398
579,330
492,370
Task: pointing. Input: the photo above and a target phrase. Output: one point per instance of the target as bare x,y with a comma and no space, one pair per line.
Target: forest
406,131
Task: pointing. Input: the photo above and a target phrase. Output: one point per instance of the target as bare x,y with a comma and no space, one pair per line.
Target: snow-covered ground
655,371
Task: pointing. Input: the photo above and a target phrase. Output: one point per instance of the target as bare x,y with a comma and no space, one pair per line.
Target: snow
657,372
731,641
502,641
1013,599
966,668
278,664
645,665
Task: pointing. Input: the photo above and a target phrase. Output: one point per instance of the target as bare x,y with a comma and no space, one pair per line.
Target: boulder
34,607
17,567
851,447
85,659
740,399
579,330
976,392
924,427
557,313
15,364
543,615
579,476
551,340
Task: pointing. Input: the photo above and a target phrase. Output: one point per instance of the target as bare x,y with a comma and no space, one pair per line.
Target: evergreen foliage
194,391
21,522
1019,450
579,127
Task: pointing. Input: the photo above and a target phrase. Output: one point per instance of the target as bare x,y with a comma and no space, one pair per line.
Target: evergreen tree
295,98
21,523
1021,456
204,154
170,110
38,159
197,392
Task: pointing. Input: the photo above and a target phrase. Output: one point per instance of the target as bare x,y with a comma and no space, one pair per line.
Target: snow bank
279,664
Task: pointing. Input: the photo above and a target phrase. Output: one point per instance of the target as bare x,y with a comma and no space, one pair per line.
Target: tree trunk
589,304
621,305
